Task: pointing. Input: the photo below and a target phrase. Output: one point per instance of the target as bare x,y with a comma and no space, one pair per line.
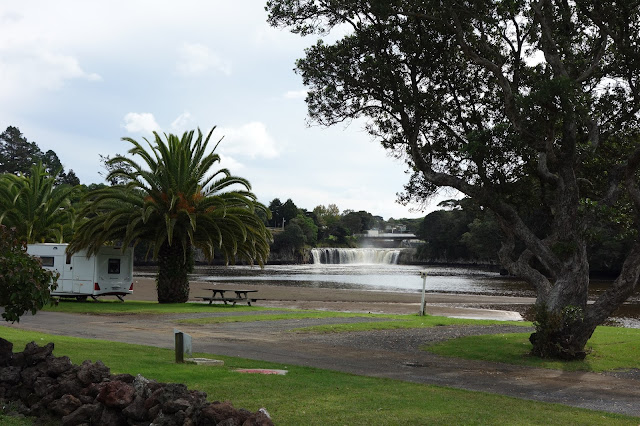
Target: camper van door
83,273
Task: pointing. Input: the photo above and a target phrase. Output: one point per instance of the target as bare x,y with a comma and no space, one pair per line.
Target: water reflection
396,278
370,277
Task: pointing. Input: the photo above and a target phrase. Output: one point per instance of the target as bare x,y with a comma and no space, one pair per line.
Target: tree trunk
562,326
174,266
561,334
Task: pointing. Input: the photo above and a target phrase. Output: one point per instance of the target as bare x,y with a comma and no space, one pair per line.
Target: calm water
385,277
381,277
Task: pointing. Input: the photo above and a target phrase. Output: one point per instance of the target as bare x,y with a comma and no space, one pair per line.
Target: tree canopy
172,197
18,156
530,108
39,210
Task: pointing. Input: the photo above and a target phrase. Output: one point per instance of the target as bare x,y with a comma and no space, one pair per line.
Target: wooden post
179,347
424,285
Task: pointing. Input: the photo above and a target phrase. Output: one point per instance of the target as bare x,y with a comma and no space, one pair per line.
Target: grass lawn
309,396
611,348
113,307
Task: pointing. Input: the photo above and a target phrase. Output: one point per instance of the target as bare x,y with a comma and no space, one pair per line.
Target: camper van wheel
81,298
120,297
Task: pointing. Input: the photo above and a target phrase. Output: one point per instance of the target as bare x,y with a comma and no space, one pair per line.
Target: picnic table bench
218,295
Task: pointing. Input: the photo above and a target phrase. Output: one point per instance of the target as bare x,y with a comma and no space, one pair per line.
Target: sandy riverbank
453,305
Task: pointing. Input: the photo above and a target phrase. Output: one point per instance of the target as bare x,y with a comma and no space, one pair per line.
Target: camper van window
46,260
114,266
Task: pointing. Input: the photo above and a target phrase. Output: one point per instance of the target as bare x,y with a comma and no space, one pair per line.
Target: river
365,270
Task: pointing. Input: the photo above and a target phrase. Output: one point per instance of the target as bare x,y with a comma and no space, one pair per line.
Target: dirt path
391,354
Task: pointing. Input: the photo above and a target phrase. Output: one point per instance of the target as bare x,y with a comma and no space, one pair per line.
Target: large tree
171,196
18,156
530,108
38,209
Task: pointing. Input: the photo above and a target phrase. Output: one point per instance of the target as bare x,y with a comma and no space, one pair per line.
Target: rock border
36,383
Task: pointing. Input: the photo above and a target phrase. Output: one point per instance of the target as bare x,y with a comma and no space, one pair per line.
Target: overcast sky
77,76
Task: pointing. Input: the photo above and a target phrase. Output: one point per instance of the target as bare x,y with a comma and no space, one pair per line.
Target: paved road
390,354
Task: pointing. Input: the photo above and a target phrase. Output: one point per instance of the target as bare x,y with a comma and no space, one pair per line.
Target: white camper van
109,273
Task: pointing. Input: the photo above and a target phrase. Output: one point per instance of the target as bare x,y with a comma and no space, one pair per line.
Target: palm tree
38,209
171,200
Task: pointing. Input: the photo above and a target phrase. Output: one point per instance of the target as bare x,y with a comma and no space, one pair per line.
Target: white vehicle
109,273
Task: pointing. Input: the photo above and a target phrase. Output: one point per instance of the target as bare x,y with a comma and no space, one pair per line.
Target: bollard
179,337
423,275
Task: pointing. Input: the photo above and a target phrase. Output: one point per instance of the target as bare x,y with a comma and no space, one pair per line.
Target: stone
154,411
58,366
45,385
80,416
68,383
218,412
112,417
136,410
35,354
10,375
141,385
18,360
29,375
93,372
174,405
127,378
65,405
6,352
259,418
116,394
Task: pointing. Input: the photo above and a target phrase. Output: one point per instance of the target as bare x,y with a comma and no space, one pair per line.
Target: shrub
24,285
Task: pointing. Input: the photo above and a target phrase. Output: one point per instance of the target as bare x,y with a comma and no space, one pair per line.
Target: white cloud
26,69
296,94
183,123
251,140
140,122
196,59
230,163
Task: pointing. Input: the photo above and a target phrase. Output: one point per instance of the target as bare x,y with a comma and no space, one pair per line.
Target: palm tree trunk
174,266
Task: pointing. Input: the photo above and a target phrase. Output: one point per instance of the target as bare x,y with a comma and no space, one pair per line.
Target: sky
77,76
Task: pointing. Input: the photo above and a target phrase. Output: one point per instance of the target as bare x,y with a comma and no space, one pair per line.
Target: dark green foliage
24,285
531,109
442,232
357,222
40,210
308,227
554,336
173,199
290,241
18,156
275,207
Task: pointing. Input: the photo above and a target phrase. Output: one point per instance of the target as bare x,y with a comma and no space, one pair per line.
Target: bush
25,286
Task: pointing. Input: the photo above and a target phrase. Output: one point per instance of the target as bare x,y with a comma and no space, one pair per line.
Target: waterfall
355,256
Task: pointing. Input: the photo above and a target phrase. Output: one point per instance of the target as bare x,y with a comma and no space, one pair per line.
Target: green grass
110,307
611,348
403,321
312,396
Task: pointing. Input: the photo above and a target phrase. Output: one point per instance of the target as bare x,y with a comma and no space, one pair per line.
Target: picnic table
219,295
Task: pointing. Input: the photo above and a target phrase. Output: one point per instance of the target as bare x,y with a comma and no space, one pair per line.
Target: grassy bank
610,349
312,396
